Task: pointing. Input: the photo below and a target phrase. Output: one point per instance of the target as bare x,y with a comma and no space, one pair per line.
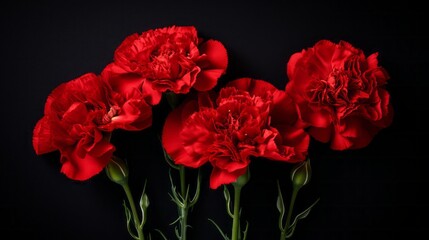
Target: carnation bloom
340,93
77,121
166,59
228,129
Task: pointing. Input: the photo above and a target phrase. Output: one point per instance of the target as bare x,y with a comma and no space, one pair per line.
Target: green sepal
172,99
169,161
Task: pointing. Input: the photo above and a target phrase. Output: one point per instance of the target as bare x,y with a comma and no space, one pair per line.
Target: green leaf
197,190
225,237
280,206
176,231
245,230
227,196
128,216
175,221
162,234
175,197
298,217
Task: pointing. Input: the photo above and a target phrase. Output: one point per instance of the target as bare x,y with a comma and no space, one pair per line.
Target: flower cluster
334,94
81,114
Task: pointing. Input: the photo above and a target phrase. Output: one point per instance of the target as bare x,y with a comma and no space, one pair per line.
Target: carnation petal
340,142
207,79
291,64
171,135
81,168
124,83
151,95
219,177
317,117
216,55
299,139
135,115
42,139
321,134
284,110
213,64
353,133
253,86
372,61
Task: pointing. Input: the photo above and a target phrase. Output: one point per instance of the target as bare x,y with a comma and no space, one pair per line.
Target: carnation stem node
182,199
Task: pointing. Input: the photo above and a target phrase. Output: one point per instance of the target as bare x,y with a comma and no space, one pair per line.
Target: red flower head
78,116
340,93
229,130
166,59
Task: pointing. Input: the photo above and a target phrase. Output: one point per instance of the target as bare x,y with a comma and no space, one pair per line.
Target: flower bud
301,174
117,171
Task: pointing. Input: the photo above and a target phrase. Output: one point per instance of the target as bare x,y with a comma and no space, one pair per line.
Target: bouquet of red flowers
334,94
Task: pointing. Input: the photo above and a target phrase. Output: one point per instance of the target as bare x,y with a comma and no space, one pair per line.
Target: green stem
236,219
134,211
289,214
182,180
183,210
183,222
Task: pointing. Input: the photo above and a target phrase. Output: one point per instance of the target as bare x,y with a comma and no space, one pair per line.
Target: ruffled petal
213,63
207,79
299,139
219,177
284,110
353,133
135,115
321,134
291,64
318,117
151,95
253,86
171,140
216,55
122,82
372,61
42,137
82,167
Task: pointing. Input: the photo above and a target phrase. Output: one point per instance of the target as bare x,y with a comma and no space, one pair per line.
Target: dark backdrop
372,193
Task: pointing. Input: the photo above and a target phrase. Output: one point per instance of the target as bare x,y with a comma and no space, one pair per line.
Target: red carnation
228,129
166,59
77,121
340,93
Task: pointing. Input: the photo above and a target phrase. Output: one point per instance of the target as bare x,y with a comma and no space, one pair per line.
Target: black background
372,193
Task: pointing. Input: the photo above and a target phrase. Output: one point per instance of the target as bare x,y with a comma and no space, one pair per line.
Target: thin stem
183,210
289,214
134,211
182,180
236,219
183,222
